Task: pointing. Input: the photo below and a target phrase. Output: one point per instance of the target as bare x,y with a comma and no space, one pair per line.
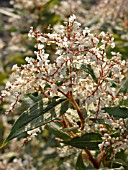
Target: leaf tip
4,144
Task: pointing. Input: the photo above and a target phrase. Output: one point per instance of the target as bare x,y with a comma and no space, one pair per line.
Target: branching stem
94,161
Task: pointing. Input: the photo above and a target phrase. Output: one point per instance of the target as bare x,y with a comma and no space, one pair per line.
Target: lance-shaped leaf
52,127
120,162
41,113
88,140
89,70
79,163
117,112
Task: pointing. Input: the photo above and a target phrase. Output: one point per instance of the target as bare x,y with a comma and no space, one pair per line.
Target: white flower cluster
34,132
111,138
76,53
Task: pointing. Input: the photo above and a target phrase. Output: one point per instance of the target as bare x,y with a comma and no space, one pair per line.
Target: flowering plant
79,93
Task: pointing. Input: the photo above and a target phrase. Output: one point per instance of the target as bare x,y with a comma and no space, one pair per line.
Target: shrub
79,94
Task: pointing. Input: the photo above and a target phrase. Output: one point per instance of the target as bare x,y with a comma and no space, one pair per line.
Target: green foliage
88,140
89,70
54,129
117,112
79,163
39,114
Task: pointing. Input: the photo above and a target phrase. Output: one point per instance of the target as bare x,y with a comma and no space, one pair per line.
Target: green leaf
100,121
57,132
121,162
117,112
88,140
41,113
89,70
79,163
73,129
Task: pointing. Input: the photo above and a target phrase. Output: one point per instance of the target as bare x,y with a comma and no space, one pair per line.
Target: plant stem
65,125
74,103
79,111
94,161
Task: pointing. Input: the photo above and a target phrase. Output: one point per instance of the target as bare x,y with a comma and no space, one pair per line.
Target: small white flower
102,34
72,18
95,40
40,46
81,47
15,67
112,45
33,132
107,144
113,53
86,31
31,33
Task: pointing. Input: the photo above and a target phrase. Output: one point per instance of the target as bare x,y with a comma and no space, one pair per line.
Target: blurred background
16,18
